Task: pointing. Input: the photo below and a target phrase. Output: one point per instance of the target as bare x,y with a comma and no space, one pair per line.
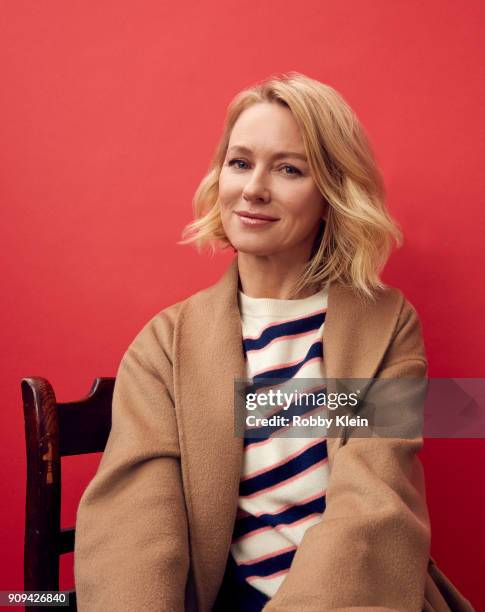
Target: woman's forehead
267,128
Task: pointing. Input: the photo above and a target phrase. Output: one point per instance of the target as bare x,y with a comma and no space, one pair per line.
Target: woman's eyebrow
280,154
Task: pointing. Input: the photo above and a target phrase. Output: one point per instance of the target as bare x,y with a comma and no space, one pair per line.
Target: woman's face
266,174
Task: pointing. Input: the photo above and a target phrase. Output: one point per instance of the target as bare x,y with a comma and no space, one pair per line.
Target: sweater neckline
275,307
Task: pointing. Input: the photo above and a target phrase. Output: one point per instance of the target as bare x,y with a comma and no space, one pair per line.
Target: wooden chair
54,430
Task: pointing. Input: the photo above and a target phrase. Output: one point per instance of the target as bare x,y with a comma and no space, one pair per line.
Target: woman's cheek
226,217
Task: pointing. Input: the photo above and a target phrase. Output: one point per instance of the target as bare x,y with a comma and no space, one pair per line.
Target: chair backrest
54,430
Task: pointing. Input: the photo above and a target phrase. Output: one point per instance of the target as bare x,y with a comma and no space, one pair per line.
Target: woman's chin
253,248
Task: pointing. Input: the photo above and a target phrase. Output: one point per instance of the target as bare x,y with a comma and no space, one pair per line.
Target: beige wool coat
154,526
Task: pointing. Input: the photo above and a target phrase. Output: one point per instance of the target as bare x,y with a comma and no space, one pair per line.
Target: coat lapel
208,357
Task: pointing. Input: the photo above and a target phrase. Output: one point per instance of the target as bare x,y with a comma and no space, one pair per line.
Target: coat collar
208,357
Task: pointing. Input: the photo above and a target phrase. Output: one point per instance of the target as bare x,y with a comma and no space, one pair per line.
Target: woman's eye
296,171
235,162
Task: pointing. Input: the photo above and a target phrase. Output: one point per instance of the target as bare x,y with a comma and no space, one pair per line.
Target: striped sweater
283,480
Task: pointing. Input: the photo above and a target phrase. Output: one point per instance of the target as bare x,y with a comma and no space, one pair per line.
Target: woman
185,515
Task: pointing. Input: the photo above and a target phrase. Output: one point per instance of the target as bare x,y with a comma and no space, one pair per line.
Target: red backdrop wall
109,115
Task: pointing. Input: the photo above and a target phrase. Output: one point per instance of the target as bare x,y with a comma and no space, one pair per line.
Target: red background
109,115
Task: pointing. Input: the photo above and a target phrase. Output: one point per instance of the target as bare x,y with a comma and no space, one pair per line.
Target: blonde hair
357,237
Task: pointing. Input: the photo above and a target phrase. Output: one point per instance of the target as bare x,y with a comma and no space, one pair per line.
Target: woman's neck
270,277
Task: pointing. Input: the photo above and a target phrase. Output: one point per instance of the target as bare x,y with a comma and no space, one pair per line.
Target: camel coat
154,526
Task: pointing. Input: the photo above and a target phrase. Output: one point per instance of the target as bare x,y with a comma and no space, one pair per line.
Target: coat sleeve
371,549
131,544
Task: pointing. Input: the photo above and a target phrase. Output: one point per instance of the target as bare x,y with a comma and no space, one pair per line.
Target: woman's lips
249,221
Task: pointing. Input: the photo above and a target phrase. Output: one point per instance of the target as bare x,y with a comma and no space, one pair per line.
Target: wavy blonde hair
356,239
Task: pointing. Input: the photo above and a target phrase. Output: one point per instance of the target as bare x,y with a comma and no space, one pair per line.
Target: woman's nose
256,188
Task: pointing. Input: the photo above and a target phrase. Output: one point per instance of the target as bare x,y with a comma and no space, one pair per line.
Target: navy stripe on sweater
267,566
247,524
289,328
287,372
286,470
236,594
